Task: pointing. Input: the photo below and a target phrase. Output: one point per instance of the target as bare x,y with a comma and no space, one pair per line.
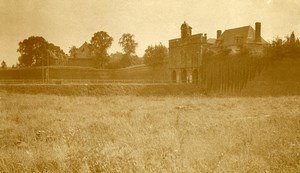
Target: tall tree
128,43
100,42
36,51
3,65
155,55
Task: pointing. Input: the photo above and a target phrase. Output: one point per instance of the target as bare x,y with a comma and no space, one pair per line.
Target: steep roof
245,33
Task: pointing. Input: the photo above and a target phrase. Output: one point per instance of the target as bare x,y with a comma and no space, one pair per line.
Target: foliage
216,55
135,60
72,51
3,65
223,70
36,51
128,43
283,48
100,42
155,55
116,61
125,61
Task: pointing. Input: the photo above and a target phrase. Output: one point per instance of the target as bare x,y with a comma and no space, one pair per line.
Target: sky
68,23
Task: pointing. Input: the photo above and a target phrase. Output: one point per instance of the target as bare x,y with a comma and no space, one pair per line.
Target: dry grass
47,133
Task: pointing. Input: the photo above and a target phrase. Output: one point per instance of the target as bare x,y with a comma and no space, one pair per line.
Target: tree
155,55
292,38
115,60
128,43
100,42
36,51
3,65
283,48
72,51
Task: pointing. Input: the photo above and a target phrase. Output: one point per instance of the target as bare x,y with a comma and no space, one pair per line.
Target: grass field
49,133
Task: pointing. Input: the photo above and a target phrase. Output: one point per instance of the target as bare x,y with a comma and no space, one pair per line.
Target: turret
186,30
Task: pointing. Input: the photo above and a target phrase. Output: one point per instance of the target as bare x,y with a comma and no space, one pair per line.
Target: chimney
257,32
219,33
205,38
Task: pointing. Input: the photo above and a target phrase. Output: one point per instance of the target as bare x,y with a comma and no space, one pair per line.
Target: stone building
185,55
246,37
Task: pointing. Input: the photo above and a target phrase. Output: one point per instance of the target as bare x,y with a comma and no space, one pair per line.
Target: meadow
128,133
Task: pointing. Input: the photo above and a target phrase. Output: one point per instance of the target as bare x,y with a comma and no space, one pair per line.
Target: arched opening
174,76
183,76
195,77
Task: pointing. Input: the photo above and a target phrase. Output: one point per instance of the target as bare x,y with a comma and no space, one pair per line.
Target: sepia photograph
149,86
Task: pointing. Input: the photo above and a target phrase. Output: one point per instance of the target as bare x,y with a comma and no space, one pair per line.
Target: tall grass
47,133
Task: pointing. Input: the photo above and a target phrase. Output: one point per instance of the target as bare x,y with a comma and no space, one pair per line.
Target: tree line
36,51
227,72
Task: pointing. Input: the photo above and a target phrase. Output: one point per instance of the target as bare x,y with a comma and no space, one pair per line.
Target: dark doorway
174,76
183,76
195,77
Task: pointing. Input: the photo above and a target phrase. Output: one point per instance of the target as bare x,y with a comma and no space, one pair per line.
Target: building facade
242,37
185,55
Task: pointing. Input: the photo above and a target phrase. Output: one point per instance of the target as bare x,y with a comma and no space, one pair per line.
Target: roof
245,33
85,44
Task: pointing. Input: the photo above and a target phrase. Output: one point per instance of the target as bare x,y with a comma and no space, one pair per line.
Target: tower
186,30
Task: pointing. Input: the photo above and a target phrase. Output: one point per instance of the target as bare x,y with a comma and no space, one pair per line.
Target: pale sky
72,22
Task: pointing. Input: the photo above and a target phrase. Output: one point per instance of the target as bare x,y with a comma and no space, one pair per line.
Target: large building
245,36
186,53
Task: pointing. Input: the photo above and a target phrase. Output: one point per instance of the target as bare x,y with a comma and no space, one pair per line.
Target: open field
40,133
